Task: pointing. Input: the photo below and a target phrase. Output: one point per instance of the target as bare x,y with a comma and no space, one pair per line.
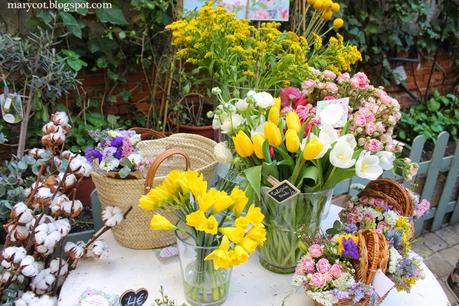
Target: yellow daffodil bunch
207,215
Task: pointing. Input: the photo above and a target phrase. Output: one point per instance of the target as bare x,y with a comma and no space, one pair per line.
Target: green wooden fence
445,210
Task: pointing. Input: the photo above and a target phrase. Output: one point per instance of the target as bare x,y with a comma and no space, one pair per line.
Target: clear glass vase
280,252
203,284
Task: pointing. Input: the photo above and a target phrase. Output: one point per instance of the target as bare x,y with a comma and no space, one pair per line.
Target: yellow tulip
338,23
258,141
293,121
274,114
273,134
235,234
277,102
243,144
257,234
240,200
248,244
335,7
160,223
328,15
292,141
312,149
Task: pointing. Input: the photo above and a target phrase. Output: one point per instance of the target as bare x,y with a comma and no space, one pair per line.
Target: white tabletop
251,284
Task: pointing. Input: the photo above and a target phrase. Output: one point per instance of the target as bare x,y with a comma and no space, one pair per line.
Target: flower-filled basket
177,151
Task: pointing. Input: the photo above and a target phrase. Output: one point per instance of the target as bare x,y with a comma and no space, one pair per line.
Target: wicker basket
134,232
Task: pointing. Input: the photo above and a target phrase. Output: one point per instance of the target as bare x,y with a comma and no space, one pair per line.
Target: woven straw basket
179,151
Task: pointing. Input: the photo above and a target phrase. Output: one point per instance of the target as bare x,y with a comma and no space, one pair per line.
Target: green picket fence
443,194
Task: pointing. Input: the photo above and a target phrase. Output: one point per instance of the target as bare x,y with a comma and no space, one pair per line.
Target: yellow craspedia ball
327,4
338,23
311,2
335,7
318,4
328,15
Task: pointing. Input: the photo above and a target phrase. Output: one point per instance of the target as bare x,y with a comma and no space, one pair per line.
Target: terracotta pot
206,131
84,190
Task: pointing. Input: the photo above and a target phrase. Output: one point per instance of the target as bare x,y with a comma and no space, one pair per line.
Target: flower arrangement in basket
215,231
333,128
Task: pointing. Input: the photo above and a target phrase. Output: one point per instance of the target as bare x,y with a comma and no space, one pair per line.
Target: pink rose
331,87
323,266
343,77
289,94
335,270
315,251
309,84
360,121
421,208
373,145
329,74
318,280
381,226
305,266
359,81
303,112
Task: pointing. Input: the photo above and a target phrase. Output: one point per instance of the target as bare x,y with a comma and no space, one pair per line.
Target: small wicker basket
134,232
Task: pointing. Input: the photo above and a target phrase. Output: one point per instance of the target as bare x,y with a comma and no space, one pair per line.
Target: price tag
134,298
333,112
283,191
382,283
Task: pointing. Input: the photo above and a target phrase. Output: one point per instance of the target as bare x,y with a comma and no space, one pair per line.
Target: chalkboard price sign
282,192
134,298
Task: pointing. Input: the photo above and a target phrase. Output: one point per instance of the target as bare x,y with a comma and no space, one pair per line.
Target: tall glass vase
203,284
280,252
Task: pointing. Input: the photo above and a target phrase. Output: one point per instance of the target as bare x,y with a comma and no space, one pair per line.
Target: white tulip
223,153
349,139
328,135
242,105
341,155
263,99
368,167
386,159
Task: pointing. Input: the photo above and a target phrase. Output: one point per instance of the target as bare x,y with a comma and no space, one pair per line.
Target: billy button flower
258,141
273,134
243,144
338,23
292,141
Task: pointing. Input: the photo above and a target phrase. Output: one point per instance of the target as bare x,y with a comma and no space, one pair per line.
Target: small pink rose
323,265
315,251
318,280
335,270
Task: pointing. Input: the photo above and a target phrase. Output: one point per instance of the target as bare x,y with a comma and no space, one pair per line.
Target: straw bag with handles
174,152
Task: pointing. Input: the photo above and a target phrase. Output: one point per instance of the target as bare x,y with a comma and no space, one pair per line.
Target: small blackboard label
134,298
282,192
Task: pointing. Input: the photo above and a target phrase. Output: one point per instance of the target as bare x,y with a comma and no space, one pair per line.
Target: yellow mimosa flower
160,223
235,234
254,215
292,141
238,255
248,244
243,144
240,200
272,133
257,234
312,149
258,141
274,114
293,121
338,23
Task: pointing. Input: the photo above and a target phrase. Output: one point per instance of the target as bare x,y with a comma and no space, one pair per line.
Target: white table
251,284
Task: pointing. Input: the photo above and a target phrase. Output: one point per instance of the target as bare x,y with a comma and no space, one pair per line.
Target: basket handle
149,180
146,133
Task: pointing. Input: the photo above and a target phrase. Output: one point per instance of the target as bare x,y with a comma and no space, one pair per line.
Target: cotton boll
41,232
5,276
52,239
43,281
60,118
20,233
46,300
54,266
99,249
44,193
74,250
49,128
14,254
66,155
28,268
62,226
112,216
5,264
69,182
80,166
72,208
36,153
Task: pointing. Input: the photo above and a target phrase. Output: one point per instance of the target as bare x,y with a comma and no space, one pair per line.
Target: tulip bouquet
217,228
116,153
333,128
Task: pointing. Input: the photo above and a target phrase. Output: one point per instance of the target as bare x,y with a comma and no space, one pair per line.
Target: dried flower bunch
38,226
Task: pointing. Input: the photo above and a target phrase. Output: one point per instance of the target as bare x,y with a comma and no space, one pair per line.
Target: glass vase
280,252
203,284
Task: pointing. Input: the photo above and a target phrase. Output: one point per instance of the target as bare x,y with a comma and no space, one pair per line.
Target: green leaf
433,105
309,173
338,176
253,176
82,9
112,15
124,172
71,24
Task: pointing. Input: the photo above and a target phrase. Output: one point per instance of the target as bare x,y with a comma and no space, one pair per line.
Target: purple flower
350,228
118,153
395,238
117,142
92,154
350,248
340,295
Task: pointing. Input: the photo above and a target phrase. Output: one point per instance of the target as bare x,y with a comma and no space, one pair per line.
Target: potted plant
190,116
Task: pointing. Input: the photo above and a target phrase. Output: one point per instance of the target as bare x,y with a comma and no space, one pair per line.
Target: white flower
74,250
135,158
112,216
242,105
386,159
349,139
54,266
344,282
390,217
341,155
109,164
298,280
216,124
367,166
328,135
223,153
263,99
43,281
331,114
28,267
231,123
325,298
99,249
251,93
394,257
